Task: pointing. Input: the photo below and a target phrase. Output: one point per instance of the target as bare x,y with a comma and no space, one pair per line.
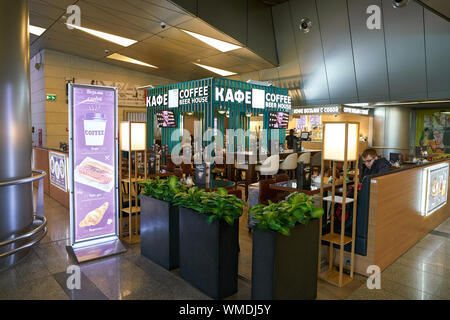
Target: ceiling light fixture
120,57
223,73
218,44
35,30
125,42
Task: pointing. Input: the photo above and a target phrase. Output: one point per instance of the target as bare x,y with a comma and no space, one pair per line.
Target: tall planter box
160,232
209,254
285,267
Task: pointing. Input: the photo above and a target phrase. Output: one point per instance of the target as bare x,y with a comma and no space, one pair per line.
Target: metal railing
38,232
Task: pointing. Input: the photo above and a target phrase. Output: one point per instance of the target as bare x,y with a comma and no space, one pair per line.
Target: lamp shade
334,141
138,135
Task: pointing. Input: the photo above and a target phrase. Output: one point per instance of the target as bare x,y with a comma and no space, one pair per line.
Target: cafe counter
55,164
398,209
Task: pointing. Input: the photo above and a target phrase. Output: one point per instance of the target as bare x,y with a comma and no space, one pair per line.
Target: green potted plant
285,249
209,240
160,221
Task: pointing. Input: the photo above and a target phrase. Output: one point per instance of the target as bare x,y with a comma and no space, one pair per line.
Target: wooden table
215,184
291,186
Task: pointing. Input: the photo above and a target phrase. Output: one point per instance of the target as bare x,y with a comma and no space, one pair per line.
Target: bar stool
289,164
269,167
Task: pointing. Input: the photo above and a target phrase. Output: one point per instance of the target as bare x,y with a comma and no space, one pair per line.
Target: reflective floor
421,273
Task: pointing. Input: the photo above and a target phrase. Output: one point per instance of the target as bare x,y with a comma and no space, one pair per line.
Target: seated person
291,139
372,164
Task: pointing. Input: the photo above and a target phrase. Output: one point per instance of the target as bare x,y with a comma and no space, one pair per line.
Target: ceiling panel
169,48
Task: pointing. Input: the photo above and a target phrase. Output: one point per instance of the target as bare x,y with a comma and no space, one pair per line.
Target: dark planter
209,254
285,267
160,232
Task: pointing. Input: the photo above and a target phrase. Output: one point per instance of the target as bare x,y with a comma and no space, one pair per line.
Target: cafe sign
257,98
178,97
220,92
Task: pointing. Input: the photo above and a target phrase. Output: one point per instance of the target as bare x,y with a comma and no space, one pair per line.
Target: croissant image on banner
95,216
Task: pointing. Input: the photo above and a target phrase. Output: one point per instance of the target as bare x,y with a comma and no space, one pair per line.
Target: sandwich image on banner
95,174
95,216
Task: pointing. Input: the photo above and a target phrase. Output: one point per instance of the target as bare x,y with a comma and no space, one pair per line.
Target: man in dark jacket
372,164
291,139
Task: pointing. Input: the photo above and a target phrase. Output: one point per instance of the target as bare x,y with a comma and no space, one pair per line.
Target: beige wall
52,116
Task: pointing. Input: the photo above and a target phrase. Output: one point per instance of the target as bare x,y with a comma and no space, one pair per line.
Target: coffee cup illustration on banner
94,129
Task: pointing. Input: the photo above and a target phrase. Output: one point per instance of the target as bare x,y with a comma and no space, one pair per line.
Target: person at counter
291,139
373,164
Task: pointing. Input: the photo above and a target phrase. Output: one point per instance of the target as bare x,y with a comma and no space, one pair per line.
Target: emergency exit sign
50,97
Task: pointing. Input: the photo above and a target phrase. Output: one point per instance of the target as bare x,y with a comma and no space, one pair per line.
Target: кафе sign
254,97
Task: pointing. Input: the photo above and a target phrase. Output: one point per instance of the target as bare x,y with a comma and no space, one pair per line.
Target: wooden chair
187,168
237,193
265,192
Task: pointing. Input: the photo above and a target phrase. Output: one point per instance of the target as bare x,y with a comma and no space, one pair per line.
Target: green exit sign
50,97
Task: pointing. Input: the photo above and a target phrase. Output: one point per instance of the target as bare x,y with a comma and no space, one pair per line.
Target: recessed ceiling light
223,73
120,57
125,42
35,30
218,44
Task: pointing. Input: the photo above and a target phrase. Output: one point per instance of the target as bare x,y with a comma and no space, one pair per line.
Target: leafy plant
216,205
221,205
163,189
284,215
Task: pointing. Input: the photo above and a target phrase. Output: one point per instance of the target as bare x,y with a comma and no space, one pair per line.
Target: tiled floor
421,273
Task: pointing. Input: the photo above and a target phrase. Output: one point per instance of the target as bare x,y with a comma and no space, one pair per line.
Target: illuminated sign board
58,170
93,172
434,188
318,110
364,112
331,109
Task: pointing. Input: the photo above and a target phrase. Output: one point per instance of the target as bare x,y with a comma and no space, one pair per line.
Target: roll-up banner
93,172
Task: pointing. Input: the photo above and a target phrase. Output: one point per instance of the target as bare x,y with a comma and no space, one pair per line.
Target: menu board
301,123
278,120
93,130
58,170
315,120
435,188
